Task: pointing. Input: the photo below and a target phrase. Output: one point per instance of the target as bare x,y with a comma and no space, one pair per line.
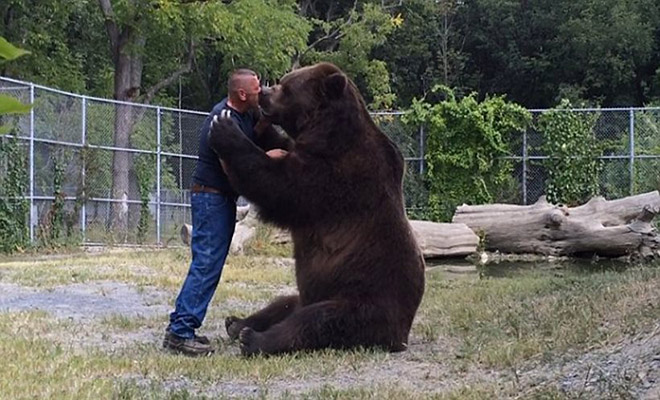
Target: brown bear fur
359,271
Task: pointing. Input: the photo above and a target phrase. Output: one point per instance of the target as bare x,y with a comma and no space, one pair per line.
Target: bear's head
304,93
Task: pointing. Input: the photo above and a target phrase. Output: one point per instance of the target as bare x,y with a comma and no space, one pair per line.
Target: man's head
243,87
303,92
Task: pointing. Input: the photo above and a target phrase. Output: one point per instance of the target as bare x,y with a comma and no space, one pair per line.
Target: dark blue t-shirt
208,171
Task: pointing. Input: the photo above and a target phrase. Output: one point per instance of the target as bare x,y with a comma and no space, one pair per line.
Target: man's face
250,92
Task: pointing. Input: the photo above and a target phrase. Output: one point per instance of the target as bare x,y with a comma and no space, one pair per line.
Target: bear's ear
334,85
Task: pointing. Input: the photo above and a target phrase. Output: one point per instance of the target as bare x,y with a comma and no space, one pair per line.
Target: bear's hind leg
327,324
273,313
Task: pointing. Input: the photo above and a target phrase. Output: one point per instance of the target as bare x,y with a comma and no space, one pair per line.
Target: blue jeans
214,220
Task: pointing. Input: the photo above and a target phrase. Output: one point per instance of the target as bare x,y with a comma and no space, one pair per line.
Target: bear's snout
265,99
266,92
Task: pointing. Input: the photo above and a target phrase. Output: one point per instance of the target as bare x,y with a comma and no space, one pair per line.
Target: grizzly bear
359,271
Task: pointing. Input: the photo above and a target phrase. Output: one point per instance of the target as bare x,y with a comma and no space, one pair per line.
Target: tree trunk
127,45
126,49
599,227
128,78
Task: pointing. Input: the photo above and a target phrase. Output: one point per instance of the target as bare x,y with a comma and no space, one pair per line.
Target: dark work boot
201,339
190,347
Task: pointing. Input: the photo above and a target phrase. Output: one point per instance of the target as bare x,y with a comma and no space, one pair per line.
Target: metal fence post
632,151
422,155
32,210
158,151
83,212
524,167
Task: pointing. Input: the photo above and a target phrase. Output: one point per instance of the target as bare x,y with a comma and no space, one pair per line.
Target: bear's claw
248,342
233,325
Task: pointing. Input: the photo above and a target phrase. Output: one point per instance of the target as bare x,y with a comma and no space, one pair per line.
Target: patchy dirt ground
630,369
84,302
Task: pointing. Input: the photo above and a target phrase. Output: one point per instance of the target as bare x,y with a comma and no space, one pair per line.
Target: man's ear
242,94
334,85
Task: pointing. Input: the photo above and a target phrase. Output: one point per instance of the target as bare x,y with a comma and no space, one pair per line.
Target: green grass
469,325
42,367
394,392
119,322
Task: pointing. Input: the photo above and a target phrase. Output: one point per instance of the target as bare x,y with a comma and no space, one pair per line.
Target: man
213,205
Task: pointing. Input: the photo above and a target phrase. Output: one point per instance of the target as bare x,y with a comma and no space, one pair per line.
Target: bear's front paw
224,131
248,340
234,325
223,123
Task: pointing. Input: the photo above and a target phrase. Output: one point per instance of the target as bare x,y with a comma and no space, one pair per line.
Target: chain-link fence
74,154
628,140
76,148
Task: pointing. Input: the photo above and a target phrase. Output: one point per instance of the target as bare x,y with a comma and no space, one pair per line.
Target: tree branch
151,93
391,6
203,79
335,35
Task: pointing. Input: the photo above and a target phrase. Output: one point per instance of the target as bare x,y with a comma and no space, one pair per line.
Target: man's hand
276,153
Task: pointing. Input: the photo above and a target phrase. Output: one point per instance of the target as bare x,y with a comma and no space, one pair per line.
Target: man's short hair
234,81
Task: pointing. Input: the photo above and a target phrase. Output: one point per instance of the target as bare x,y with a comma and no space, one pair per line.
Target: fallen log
444,240
599,227
436,240
246,227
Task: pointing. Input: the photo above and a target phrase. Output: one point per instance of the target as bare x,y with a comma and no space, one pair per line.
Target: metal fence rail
74,134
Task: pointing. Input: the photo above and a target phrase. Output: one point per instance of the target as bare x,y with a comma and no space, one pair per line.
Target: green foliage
359,32
14,208
57,209
56,230
605,51
425,49
607,41
466,143
144,137
616,175
98,177
573,166
61,36
8,104
14,228
416,194
9,52
263,35
647,142
145,167
407,139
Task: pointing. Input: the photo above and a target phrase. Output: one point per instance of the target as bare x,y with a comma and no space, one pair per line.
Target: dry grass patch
503,322
164,269
470,337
